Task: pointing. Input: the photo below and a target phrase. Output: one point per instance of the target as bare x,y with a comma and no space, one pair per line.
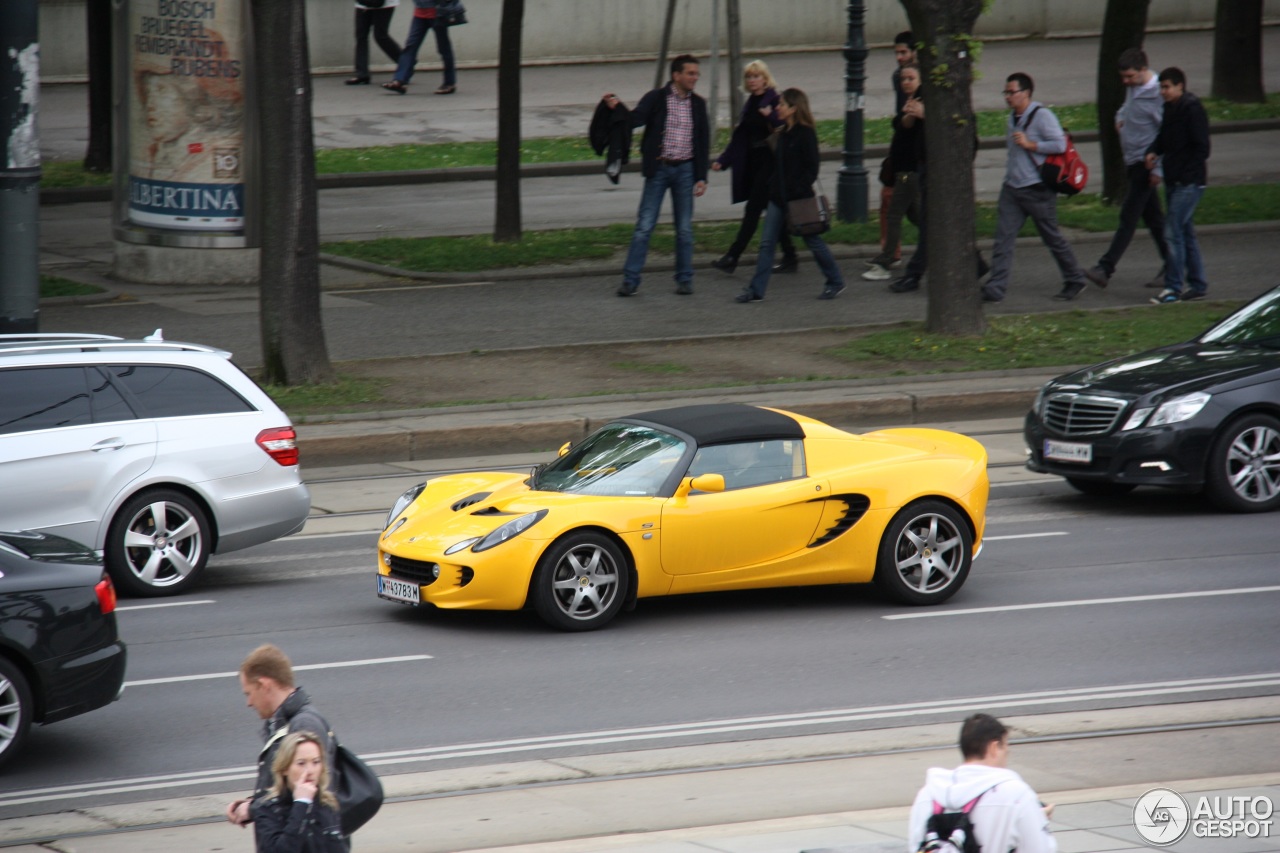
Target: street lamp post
851,192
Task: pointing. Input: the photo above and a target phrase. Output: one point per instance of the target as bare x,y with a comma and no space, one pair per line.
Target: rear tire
1244,466
158,544
581,582
16,706
925,553
1100,488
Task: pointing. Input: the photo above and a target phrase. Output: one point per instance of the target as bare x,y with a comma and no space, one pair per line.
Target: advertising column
186,114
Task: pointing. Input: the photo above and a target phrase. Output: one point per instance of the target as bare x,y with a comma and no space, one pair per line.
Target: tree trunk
1237,52
97,156
1124,26
293,344
946,70
506,221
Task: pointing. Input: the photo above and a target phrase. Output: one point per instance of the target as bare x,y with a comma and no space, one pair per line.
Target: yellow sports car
693,499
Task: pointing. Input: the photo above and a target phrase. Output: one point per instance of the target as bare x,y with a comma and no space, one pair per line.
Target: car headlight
1036,407
510,530
1179,409
1136,419
402,503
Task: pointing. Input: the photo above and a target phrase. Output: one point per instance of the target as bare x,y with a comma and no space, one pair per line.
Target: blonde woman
298,814
750,159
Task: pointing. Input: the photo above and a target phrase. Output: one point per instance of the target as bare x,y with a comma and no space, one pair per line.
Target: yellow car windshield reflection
622,460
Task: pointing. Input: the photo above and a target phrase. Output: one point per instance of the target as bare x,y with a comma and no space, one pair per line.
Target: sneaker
748,295
906,284
831,291
877,272
626,289
987,296
1070,290
1158,281
684,288
786,265
1098,276
1166,297
727,263
1192,295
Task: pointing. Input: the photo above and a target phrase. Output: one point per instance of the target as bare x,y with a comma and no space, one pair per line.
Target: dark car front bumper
1172,455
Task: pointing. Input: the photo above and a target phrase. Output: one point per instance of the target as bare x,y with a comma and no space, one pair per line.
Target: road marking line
1025,536
675,730
1085,601
204,676
164,604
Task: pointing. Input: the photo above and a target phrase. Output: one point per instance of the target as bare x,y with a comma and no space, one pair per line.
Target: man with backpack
1033,132
980,805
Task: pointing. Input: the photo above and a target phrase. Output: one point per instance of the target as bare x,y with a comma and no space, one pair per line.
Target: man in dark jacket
1182,150
674,153
266,679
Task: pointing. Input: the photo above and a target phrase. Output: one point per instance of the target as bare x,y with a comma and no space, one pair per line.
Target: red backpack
1064,173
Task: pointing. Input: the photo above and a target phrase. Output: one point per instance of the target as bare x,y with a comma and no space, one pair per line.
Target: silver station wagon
155,453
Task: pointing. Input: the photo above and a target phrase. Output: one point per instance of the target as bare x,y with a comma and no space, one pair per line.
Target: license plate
1068,451
398,590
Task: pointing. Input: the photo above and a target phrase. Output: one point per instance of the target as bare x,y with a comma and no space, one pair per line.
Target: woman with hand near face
299,814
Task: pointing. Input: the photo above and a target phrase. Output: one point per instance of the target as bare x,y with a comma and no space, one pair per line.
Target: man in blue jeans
674,152
1182,149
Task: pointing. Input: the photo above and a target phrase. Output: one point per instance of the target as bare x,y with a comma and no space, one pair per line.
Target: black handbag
451,13
373,4
357,788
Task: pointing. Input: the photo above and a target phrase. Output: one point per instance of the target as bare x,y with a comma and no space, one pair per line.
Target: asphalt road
417,690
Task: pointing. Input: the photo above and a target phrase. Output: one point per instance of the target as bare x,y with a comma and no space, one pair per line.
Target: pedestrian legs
1010,218
646,218
1141,201
774,220
409,53
1184,262
681,182
444,46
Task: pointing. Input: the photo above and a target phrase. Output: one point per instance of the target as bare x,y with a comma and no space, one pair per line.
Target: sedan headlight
402,503
1179,409
510,530
1136,419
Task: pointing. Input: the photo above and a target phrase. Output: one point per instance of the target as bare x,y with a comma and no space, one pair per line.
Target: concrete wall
568,30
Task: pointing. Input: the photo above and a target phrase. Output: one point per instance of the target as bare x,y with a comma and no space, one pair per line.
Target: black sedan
1204,414
59,651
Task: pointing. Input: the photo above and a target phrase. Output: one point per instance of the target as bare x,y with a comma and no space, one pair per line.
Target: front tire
15,710
1244,466
158,544
925,554
1100,488
581,582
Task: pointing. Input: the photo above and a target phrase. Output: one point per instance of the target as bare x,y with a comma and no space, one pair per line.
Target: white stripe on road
1025,536
180,678
676,730
1208,593
163,604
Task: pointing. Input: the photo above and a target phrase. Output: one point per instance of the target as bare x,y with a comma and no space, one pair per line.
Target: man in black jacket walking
1182,150
674,153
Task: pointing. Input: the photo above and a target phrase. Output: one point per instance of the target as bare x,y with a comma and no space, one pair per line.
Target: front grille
1078,414
414,571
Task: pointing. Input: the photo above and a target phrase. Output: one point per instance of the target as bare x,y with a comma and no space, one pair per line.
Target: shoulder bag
451,13
806,216
356,786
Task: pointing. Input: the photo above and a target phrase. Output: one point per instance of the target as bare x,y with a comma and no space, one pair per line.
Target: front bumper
1172,455
497,579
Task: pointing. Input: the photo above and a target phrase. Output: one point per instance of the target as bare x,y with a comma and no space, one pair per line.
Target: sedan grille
1078,414
416,571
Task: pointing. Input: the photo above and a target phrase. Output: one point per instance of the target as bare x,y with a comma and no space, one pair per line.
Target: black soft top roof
722,423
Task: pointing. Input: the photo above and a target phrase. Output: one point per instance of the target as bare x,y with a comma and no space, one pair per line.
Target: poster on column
186,114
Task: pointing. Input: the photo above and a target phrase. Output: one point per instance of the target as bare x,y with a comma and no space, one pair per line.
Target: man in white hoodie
1008,816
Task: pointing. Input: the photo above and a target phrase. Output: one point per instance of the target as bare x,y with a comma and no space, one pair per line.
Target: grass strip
52,285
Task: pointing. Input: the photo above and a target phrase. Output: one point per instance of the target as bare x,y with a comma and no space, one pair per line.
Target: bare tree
293,345
97,15
1237,52
942,28
1123,26
507,225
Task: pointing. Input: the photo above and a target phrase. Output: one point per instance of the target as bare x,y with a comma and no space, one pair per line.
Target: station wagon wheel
15,709
925,553
158,543
581,582
1244,466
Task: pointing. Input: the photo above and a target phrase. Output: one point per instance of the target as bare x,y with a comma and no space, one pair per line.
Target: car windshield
622,460
1256,324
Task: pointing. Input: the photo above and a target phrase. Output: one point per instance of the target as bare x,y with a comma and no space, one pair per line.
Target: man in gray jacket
1032,133
1138,122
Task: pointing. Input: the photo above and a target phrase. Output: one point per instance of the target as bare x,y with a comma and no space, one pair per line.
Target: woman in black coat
750,158
795,170
299,814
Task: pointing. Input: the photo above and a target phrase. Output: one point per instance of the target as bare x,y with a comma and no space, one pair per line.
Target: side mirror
564,448
701,483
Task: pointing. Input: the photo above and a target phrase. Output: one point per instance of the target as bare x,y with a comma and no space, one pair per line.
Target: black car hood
1178,369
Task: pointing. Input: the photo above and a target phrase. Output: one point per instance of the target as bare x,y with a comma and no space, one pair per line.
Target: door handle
108,444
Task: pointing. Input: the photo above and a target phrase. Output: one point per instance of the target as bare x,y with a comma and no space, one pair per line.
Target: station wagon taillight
281,444
106,594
